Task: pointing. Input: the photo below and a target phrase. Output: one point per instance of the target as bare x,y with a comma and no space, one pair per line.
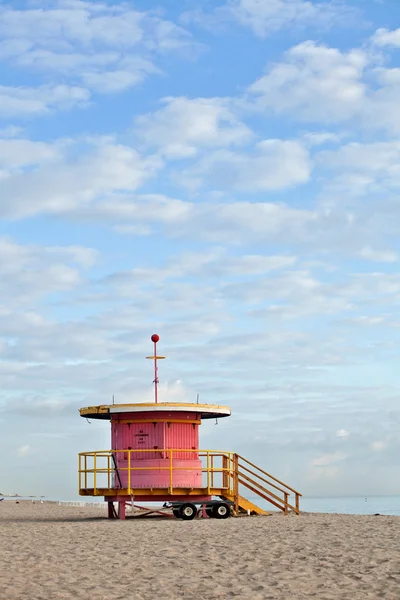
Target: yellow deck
135,492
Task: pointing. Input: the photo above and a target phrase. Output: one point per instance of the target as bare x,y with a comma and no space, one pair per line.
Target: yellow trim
102,409
171,487
151,492
155,357
139,421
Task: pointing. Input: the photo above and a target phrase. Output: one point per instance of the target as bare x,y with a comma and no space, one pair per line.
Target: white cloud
378,446
369,321
22,256
24,450
10,131
317,83
141,210
37,407
321,84
321,138
213,264
108,47
128,74
250,220
328,460
272,165
388,77
19,101
362,168
292,294
381,159
217,222
386,256
97,179
322,230
16,153
342,433
79,178
387,37
264,17
184,126
41,270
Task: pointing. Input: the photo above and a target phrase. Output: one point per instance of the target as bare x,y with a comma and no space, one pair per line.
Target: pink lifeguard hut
155,457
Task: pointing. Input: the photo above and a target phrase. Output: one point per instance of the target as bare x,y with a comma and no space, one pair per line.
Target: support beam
121,510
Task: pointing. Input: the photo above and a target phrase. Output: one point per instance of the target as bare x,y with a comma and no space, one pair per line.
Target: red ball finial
155,338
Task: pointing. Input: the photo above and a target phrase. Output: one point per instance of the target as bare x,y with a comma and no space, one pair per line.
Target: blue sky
225,174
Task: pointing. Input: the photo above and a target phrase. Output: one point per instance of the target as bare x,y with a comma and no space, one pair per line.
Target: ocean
383,505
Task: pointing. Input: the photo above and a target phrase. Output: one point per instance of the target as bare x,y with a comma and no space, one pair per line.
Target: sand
50,551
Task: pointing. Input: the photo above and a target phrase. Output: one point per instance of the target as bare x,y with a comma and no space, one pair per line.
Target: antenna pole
155,371
155,338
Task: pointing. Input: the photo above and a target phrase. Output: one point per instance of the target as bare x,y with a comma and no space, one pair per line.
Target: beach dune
49,551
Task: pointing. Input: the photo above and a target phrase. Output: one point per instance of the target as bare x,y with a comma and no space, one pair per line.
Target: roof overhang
105,411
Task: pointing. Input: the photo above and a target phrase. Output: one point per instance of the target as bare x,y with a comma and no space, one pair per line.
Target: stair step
246,505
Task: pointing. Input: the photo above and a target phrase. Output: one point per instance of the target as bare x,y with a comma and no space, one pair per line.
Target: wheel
221,510
187,512
176,512
209,512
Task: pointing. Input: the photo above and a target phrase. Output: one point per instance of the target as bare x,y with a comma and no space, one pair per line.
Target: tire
210,512
176,512
221,511
187,512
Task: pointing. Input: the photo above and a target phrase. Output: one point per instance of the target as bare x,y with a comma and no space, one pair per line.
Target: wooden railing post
208,471
129,471
170,472
236,482
297,503
286,502
225,473
94,473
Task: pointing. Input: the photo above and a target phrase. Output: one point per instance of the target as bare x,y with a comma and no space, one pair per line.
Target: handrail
140,450
256,487
269,475
262,479
266,494
253,482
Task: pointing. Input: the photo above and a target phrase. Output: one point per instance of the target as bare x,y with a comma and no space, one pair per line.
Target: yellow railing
222,473
256,479
98,469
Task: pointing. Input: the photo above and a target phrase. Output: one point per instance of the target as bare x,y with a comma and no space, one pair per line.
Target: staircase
245,506
245,474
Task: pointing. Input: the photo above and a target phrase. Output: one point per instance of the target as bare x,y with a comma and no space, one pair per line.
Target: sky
225,174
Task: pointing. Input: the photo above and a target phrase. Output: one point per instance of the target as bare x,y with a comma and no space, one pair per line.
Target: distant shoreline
20,496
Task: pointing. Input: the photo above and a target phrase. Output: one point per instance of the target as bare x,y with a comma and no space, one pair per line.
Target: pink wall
157,436
154,435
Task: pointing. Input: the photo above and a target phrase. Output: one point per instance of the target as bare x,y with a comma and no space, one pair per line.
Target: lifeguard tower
155,457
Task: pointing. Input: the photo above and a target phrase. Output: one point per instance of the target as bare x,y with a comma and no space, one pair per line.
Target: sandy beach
51,551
